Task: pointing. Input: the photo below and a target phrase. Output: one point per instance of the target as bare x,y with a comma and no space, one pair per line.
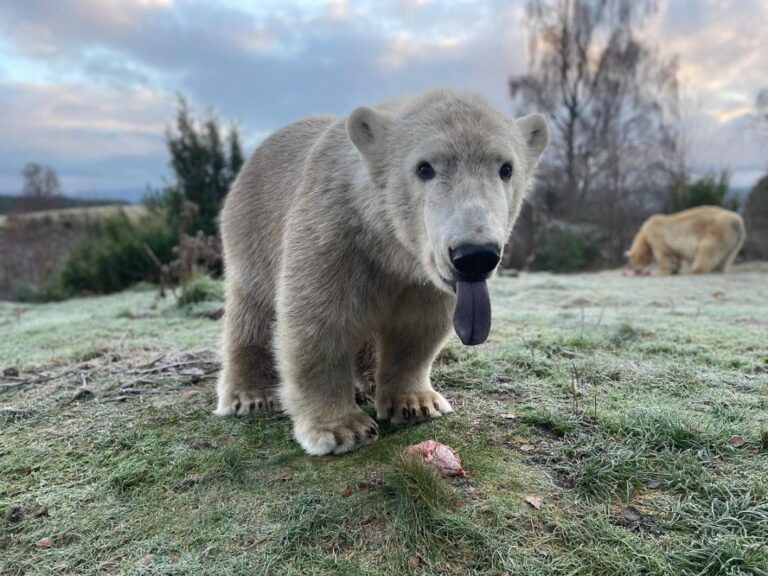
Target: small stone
40,511
413,561
44,543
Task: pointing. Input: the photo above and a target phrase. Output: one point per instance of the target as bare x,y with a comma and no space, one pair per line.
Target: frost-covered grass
635,408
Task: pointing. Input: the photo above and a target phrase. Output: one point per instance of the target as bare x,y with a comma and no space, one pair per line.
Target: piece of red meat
444,458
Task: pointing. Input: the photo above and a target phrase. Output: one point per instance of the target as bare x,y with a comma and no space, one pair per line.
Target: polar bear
708,238
367,232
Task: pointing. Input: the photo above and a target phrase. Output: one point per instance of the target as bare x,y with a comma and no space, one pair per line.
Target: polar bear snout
474,261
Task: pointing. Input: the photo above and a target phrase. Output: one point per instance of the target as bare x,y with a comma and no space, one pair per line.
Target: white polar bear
360,235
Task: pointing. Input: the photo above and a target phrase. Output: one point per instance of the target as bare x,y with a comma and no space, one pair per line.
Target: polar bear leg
317,388
248,377
408,345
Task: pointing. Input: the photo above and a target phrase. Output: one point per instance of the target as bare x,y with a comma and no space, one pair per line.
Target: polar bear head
452,172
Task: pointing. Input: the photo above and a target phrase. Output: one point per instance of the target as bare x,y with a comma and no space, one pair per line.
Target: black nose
475,260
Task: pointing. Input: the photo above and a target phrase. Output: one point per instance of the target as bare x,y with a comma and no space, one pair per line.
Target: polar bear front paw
244,402
340,435
411,407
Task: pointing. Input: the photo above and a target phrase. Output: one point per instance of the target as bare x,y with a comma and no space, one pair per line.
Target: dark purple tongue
472,316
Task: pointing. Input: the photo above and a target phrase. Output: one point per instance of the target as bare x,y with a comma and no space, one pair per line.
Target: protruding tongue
472,316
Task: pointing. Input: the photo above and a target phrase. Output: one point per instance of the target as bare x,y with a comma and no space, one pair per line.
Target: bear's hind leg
365,370
407,347
708,255
248,378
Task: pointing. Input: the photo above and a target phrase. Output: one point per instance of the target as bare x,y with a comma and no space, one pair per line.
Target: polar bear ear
368,130
535,133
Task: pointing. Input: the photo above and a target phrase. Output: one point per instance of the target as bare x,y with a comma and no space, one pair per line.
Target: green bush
50,291
116,255
567,248
708,190
201,289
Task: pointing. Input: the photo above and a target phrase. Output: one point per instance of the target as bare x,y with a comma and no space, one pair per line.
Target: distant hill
10,204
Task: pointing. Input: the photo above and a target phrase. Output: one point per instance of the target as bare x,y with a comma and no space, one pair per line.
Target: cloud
721,47
92,82
112,65
98,139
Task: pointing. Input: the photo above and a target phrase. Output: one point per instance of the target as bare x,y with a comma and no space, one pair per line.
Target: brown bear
707,238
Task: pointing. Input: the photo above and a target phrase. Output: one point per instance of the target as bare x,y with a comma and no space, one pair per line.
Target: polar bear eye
505,172
425,171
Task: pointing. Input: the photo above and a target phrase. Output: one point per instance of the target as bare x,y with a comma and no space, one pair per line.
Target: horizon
89,86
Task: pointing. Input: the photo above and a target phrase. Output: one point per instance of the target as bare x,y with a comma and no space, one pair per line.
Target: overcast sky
88,86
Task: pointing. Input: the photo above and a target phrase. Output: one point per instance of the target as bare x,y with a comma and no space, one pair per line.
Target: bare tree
40,181
761,104
612,103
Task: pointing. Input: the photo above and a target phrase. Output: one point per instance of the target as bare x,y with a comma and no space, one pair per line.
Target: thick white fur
332,242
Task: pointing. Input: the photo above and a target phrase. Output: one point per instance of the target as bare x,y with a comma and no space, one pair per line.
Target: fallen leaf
534,501
207,551
631,514
229,437
736,441
284,475
109,565
200,444
44,543
413,561
188,482
347,491
81,393
144,560
173,558
717,461
527,448
719,294
193,374
509,416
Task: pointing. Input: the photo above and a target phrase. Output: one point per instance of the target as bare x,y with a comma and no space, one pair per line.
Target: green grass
614,400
